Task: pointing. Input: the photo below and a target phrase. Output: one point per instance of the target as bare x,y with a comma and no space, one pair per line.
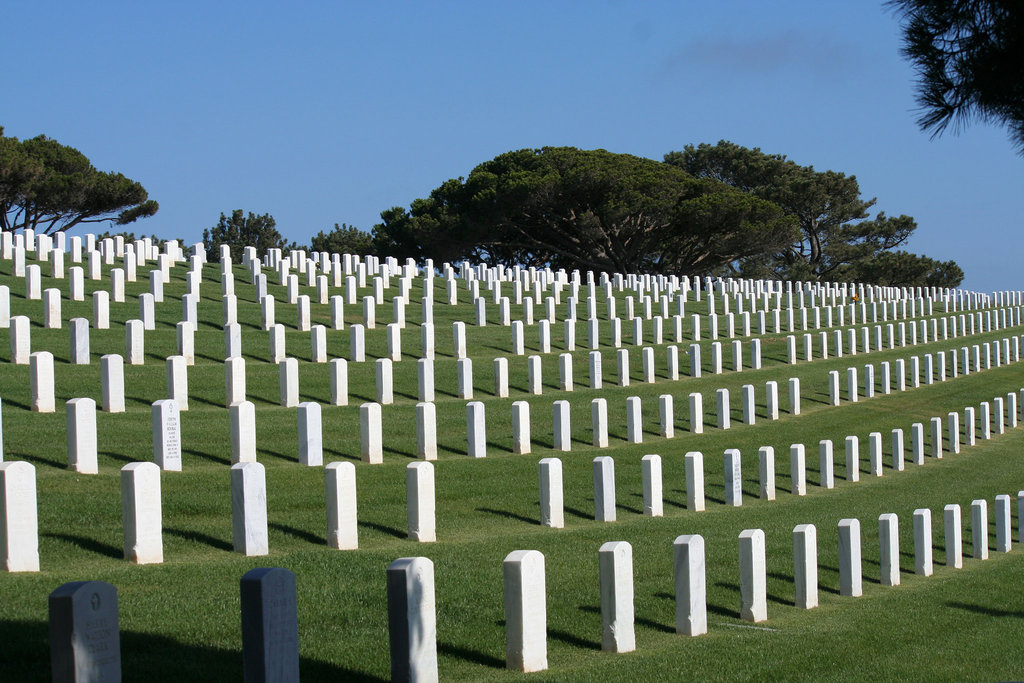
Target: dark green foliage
239,231
835,237
902,268
344,239
592,209
969,58
51,187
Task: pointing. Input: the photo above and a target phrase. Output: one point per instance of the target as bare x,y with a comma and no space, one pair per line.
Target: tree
51,187
898,268
344,239
835,234
572,208
969,58
239,231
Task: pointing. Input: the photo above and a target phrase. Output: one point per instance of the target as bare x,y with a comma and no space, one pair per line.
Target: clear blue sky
328,112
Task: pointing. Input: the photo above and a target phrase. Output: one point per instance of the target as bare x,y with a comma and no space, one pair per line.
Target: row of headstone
19,243
142,516
551,481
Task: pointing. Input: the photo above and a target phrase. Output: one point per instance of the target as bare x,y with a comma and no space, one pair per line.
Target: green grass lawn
181,619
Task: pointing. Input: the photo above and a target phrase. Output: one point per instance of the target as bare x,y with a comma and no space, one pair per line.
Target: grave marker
615,564
604,488
167,434
525,611
85,640
412,620
551,494
420,505
690,586
270,626
141,513
340,493
19,526
753,582
249,509
889,549
805,566
80,419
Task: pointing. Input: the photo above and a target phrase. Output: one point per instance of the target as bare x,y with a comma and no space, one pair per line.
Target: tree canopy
343,239
51,187
566,207
969,58
836,239
239,231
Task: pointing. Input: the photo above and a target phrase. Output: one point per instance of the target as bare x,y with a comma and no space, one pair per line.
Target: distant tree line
708,209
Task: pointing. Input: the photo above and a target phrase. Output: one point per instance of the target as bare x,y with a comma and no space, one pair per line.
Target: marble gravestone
270,625
85,643
412,622
167,435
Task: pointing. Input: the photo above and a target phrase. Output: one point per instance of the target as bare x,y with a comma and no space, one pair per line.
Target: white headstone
753,582
650,466
41,382
476,430
80,416
134,338
923,542
419,491
805,566
249,509
525,611
634,421
694,465
19,527
371,433
953,536
798,469
604,489
850,570
141,513
167,435
551,496
177,380
339,381
733,478
288,382
766,471
412,620
690,585
310,429
340,491
242,418
85,640
615,565
889,549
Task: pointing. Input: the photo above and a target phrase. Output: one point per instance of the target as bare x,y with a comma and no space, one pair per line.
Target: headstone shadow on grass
89,544
509,514
573,639
151,658
199,537
117,456
468,655
383,528
296,532
985,610
207,456
649,623
578,513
